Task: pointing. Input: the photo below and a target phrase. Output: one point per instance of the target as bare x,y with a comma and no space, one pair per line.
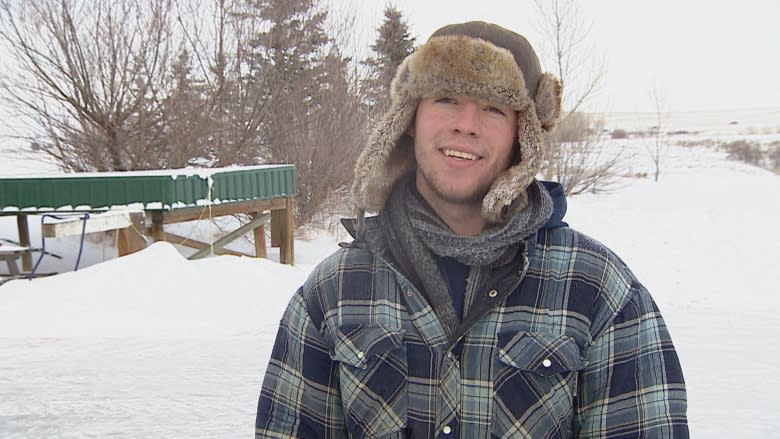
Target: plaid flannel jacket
569,345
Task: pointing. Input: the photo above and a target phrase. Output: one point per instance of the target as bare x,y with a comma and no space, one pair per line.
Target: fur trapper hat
475,59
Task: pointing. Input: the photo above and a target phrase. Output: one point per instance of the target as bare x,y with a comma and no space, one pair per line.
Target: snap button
492,293
409,293
446,430
361,355
546,362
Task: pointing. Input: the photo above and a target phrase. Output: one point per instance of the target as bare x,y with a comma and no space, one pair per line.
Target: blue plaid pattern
578,349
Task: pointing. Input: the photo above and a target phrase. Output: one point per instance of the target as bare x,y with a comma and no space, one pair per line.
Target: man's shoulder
351,285
352,268
567,240
588,269
349,258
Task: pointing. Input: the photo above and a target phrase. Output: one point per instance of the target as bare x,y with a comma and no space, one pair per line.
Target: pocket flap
355,344
540,353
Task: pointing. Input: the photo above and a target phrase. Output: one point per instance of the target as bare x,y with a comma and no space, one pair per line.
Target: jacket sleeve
632,385
300,395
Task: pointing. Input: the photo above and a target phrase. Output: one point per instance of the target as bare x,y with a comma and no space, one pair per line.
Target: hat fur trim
548,101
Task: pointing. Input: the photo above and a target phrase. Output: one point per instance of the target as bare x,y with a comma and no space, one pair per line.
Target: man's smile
459,154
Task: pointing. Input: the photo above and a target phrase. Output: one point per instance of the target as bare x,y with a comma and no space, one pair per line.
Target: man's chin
461,193
464,198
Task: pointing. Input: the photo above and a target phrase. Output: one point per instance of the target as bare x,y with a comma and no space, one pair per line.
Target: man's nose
467,118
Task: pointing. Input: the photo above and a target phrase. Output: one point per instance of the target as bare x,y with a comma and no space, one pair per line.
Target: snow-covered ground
154,345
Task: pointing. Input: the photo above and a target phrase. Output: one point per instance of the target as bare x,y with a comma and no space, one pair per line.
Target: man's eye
445,101
496,110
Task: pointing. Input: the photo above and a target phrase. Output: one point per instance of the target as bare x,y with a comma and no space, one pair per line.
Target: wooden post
277,218
10,260
24,240
260,249
286,226
131,239
157,232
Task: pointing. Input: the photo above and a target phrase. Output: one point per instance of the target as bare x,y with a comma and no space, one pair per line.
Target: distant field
728,122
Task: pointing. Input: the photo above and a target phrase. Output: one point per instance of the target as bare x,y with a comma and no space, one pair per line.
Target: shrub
619,134
577,158
744,151
773,155
576,127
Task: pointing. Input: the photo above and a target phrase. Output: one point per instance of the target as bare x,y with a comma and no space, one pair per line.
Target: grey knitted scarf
416,234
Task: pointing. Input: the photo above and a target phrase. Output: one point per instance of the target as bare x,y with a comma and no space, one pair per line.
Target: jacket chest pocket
373,375
535,383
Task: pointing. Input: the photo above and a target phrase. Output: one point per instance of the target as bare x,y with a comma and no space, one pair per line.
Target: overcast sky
698,55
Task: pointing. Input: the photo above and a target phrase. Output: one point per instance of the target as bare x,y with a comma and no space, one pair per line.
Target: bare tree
658,148
581,162
326,146
93,76
575,156
574,59
236,94
124,84
288,95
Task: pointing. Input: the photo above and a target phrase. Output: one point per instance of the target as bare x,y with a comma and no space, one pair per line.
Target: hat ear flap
548,101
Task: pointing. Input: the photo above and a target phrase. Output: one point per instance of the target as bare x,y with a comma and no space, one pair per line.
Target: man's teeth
459,154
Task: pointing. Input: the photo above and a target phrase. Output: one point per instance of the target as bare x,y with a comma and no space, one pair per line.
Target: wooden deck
140,204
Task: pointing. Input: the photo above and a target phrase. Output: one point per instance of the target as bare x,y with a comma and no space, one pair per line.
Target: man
467,308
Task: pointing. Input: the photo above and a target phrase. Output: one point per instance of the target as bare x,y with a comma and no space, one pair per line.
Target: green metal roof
162,190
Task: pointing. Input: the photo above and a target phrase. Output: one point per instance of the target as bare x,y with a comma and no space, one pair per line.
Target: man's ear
548,101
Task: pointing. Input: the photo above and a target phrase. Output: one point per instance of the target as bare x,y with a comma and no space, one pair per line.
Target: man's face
461,146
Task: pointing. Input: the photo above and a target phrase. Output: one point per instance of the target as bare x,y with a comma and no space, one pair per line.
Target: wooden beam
260,249
99,222
24,240
10,253
156,229
286,224
230,237
217,210
10,260
131,239
189,242
277,219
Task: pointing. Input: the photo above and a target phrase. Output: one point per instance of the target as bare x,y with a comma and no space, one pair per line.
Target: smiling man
467,308
461,145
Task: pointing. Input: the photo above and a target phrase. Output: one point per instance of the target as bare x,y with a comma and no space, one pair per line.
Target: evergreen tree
186,117
310,105
287,55
291,39
392,45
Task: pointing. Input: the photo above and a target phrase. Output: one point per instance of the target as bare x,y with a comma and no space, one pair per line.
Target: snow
203,173
713,122
154,345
